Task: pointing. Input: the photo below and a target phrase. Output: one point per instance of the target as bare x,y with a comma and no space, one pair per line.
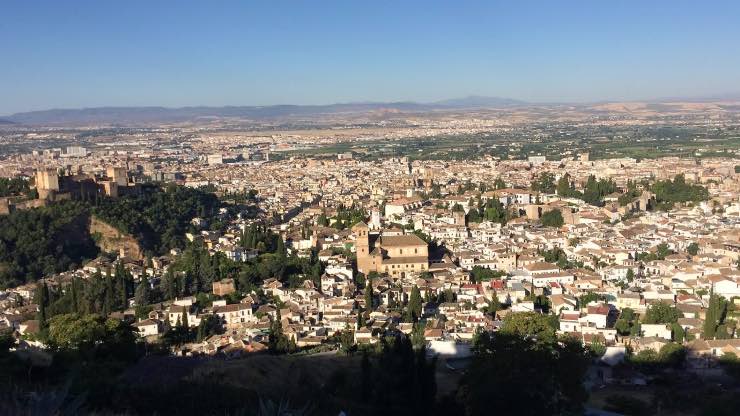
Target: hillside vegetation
44,240
58,237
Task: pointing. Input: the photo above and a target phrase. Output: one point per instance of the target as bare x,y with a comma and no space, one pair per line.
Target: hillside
45,240
145,115
109,239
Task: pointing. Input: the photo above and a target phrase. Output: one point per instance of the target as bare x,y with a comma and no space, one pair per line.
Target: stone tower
362,247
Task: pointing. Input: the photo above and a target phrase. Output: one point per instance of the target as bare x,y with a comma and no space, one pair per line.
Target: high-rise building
76,151
537,160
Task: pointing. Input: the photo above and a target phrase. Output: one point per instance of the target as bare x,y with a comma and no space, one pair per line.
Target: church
389,252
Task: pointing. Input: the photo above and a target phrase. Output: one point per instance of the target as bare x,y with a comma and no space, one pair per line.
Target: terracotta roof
401,240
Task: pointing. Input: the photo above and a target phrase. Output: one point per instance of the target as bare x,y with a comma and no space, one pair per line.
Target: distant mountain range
138,115
124,116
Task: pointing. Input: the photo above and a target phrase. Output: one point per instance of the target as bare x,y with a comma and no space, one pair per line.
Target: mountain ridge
124,114
137,115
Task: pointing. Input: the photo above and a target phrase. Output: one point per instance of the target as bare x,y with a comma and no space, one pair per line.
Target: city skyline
97,55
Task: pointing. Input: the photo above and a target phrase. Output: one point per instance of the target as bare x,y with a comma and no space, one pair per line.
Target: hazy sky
68,54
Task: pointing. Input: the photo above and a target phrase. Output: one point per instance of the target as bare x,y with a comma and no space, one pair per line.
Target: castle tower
118,175
47,183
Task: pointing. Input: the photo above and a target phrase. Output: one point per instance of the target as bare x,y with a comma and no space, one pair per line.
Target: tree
109,299
499,183
715,316
622,326
361,318
525,376
322,220
669,192
563,187
184,323
662,251
86,332
169,285
474,215
693,249
414,306
41,241
553,218
678,333
369,294
278,342
41,297
661,313
630,275
347,342
544,183
672,354
530,324
121,277
417,335
494,305
209,325
494,211
481,274
626,324
143,294
75,298
281,251
595,190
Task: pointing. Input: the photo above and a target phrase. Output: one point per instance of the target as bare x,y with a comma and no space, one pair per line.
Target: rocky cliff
109,239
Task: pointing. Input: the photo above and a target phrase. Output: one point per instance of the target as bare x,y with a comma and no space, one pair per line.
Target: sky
73,54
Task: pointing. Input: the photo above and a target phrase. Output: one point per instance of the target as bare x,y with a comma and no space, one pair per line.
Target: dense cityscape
347,208
133,250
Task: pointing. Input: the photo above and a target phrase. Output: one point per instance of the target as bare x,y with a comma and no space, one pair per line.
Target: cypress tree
369,294
142,295
413,309
74,296
109,300
42,299
122,289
